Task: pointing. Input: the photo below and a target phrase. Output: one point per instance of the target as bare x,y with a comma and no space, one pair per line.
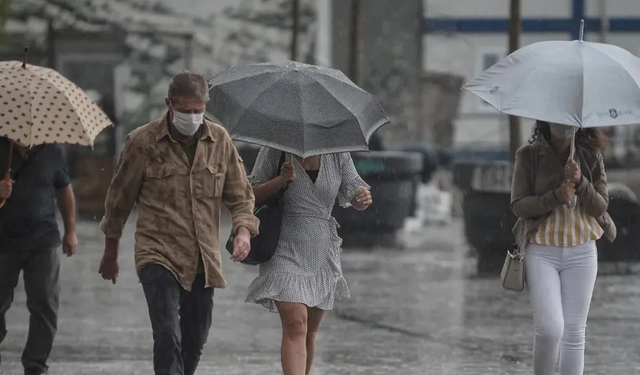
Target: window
487,57
89,71
93,73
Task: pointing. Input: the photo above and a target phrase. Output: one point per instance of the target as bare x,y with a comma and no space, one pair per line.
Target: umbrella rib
361,108
375,127
31,123
233,81
482,78
328,90
590,45
63,94
36,76
244,111
335,74
380,123
582,101
254,100
624,68
30,102
43,85
512,92
60,91
262,143
57,91
370,131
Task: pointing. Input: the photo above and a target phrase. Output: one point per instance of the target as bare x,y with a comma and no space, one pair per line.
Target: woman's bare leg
293,351
315,316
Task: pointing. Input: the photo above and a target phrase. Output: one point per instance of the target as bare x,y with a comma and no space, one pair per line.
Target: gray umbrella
298,108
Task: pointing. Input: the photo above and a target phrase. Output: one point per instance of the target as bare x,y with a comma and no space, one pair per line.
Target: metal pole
604,20
51,44
354,41
188,59
514,43
295,28
428,129
324,33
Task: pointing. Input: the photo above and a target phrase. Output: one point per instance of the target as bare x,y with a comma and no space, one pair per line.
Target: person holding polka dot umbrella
40,106
38,110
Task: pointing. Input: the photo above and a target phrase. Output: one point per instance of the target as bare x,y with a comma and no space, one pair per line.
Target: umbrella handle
572,150
7,177
573,203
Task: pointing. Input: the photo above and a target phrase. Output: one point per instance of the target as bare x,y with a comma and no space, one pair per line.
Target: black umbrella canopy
298,108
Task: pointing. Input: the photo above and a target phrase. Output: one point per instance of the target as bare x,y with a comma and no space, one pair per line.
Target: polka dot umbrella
38,105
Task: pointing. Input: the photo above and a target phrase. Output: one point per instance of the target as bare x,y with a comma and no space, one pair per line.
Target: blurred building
389,58
93,45
465,37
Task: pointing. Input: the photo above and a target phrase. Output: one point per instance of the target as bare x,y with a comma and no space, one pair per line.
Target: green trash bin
393,177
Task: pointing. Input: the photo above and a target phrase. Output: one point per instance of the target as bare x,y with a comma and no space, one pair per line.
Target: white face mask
187,123
561,131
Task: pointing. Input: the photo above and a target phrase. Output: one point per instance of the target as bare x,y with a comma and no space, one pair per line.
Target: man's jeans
42,286
180,320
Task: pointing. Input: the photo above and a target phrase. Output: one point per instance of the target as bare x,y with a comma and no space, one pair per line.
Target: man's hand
70,243
362,200
241,245
5,188
109,267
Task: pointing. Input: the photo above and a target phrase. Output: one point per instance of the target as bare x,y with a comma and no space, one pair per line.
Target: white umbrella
575,83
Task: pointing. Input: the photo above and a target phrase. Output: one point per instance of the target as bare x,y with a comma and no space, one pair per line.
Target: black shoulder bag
270,212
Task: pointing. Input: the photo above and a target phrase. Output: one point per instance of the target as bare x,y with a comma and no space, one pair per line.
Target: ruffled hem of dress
318,291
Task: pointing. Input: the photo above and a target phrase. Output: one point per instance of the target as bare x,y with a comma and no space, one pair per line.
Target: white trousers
560,282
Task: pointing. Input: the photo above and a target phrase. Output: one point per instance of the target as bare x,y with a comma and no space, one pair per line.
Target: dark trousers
180,320
41,273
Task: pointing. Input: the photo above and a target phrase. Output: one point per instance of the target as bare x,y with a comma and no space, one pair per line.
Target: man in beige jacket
179,170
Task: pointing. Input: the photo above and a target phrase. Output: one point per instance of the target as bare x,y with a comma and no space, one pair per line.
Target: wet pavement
412,312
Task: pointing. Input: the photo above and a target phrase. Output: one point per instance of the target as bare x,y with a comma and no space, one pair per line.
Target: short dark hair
187,85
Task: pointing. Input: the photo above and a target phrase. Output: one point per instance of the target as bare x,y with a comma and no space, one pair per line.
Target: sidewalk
104,328
411,313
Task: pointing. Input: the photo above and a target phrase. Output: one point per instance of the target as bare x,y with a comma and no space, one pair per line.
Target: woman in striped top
559,237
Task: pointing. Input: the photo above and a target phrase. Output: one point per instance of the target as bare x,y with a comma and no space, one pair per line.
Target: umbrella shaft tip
24,57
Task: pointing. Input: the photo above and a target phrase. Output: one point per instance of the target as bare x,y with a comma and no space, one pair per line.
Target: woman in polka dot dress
304,277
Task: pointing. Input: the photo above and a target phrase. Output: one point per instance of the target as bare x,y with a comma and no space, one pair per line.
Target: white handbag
513,270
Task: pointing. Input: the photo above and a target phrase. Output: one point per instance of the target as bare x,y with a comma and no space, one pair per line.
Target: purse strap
533,164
